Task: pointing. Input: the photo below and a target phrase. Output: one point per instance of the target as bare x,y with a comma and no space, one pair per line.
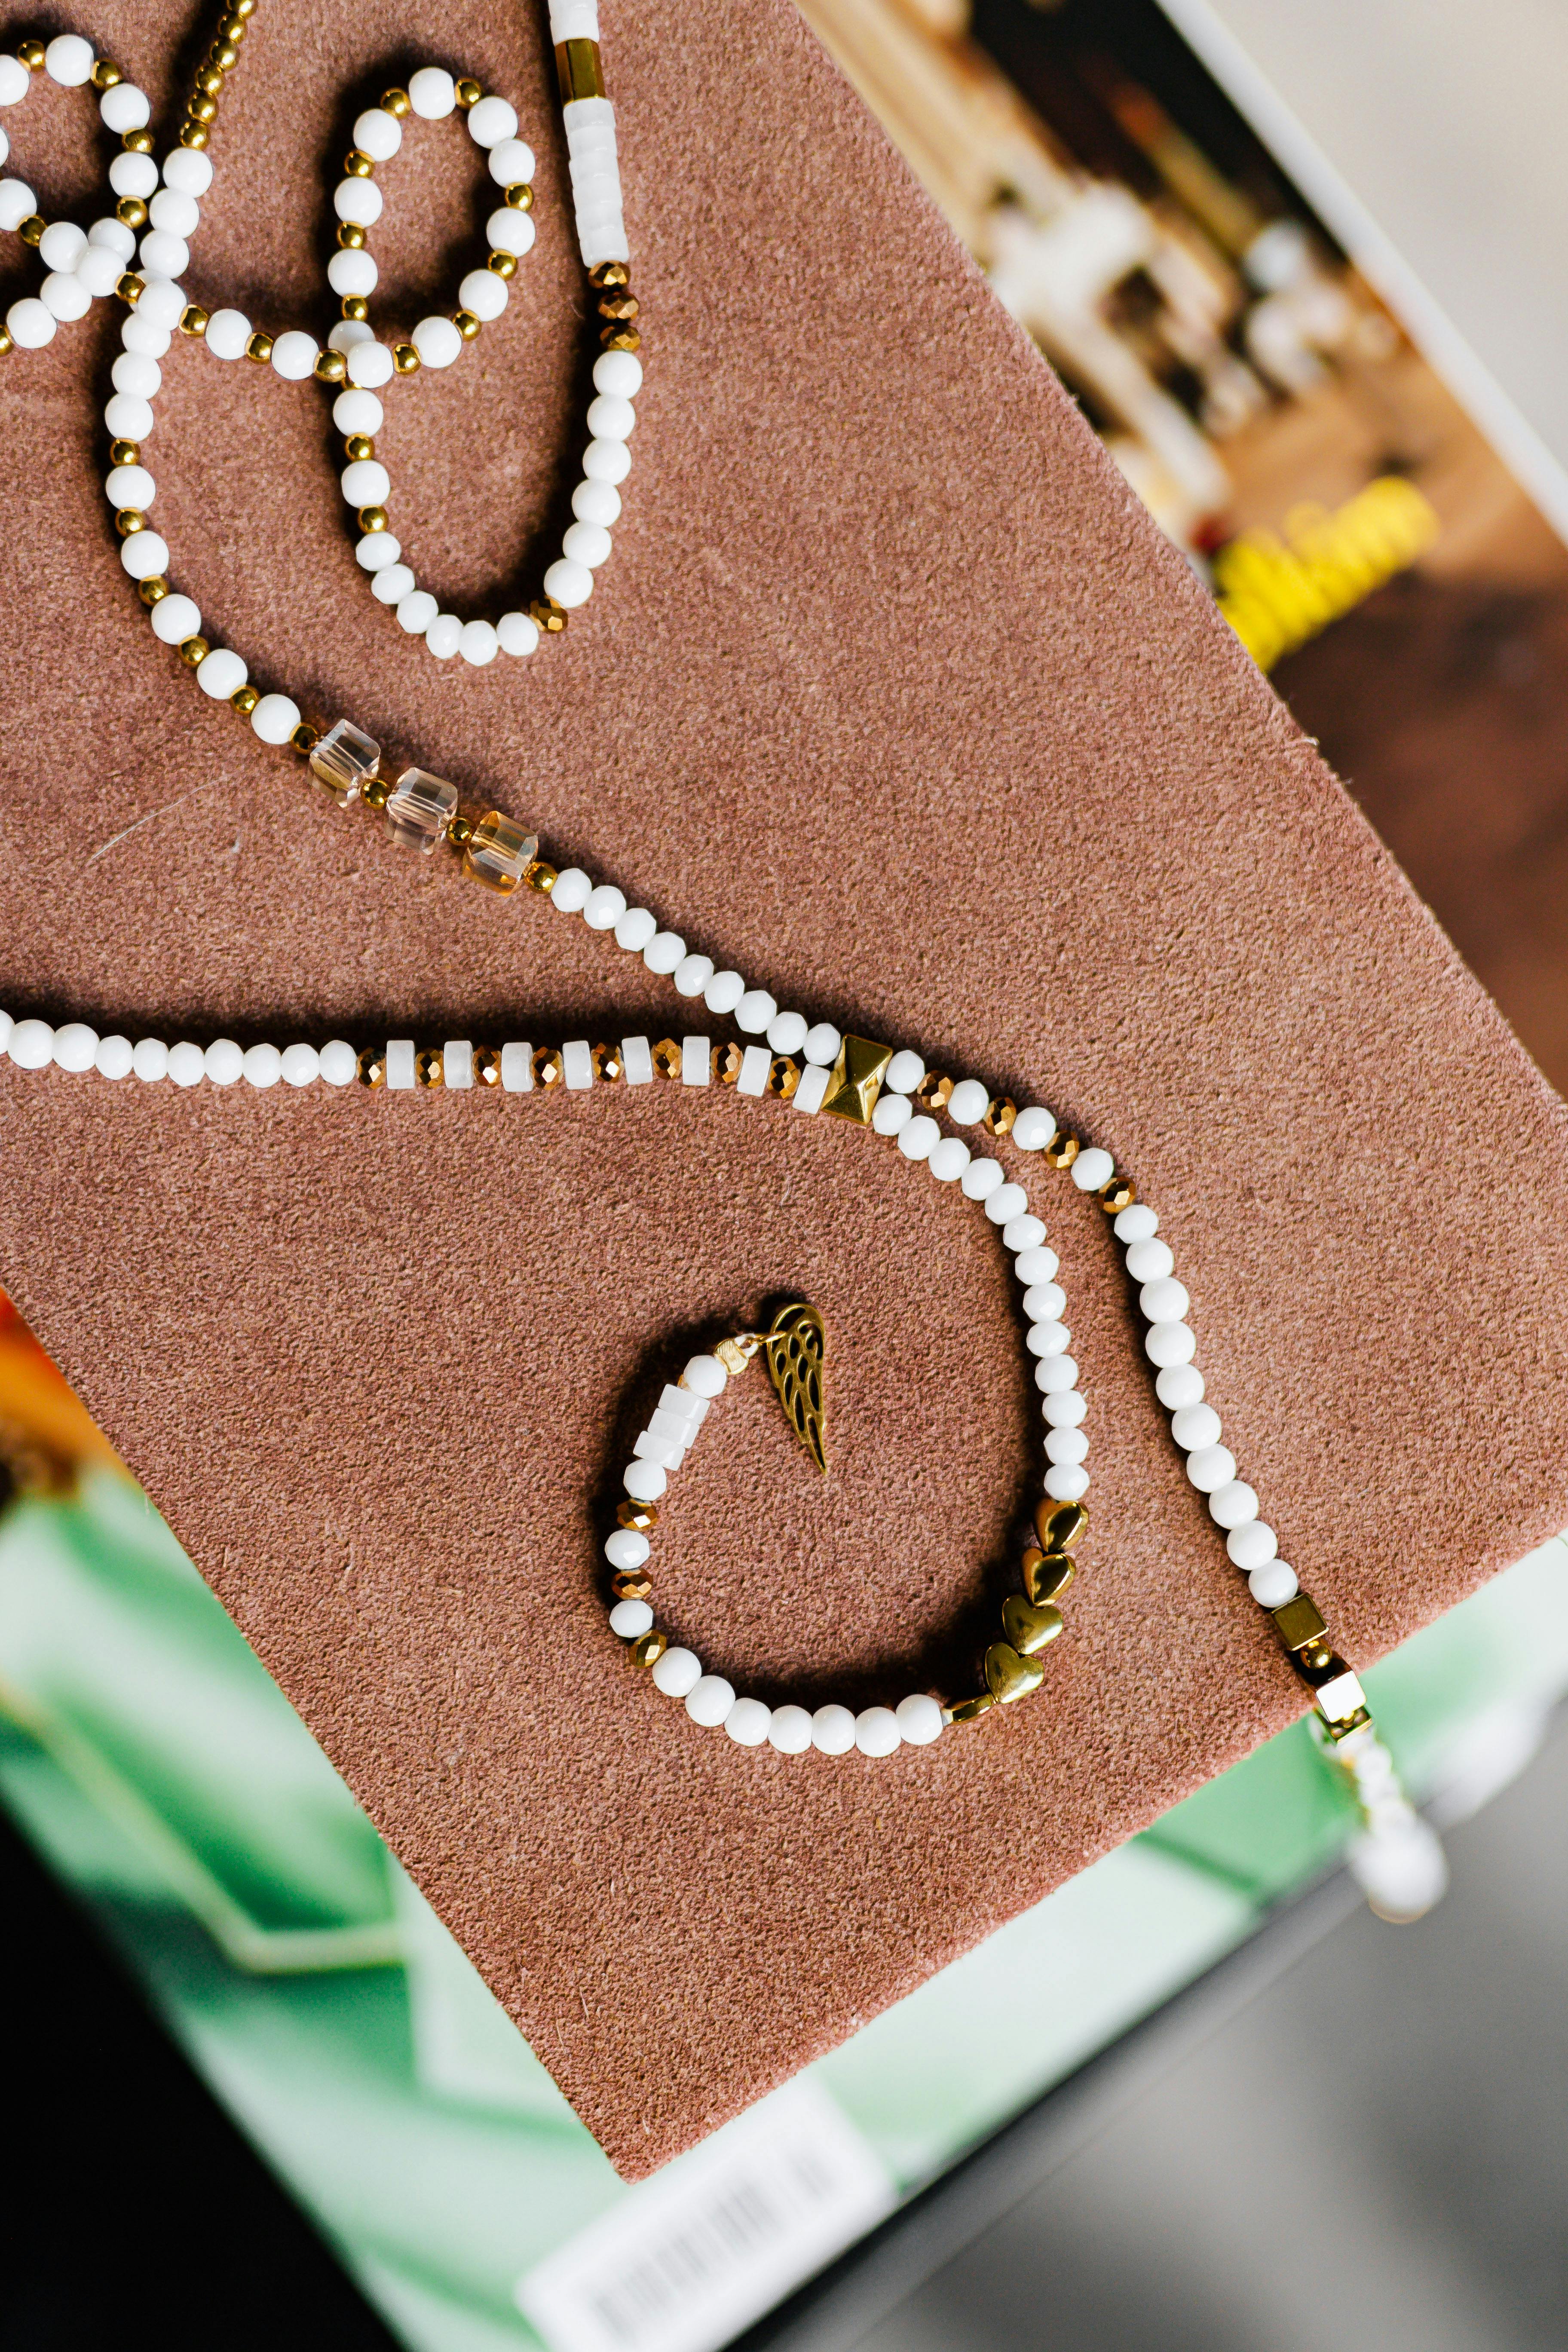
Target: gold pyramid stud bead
856,1079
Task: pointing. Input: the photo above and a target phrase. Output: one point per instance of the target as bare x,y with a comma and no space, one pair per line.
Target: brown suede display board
892,696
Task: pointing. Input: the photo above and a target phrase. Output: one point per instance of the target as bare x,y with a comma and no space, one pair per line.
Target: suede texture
892,696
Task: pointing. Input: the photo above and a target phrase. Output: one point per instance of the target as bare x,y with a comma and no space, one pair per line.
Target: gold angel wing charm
796,1344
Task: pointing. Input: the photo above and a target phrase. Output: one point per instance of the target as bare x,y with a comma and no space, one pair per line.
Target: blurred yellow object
46,1434
1276,593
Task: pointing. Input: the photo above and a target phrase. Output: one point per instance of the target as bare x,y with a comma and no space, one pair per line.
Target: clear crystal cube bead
420,808
500,852
346,760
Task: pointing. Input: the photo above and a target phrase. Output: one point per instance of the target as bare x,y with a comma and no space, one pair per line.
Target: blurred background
260,2093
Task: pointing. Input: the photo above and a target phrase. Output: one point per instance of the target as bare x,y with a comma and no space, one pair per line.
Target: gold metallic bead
470,92
129,521
648,1648
784,1077
137,142
153,591
856,1079
1119,1194
641,1516
542,877
968,1710
104,75
430,1069
397,101
1047,1574
259,349
371,1067
609,273
204,109
358,166
124,453
465,323
631,1584
1062,1150
1010,1675
735,1354
33,227
373,519
331,367
618,302
405,359
351,237
999,1113
608,1064
355,307
486,1066
1029,1624
578,71
547,615
31,53
224,55
358,447
194,320
459,832
305,737
667,1058
375,793
502,264
244,700
519,197
194,134
1298,1622
244,8
620,339
934,1091
130,288
209,81
727,1063
1059,1525
5,342
232,25
546,1066
194,652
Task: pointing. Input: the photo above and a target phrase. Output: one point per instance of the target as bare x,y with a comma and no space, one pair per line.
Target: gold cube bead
1300,1622
608,1064
640,1516
397,101
486,1066
578,70
502,264
194,320
727,1063
104,75
373,519
430,1069
934,1091
358,166
305,737
999,1115
153,591
519,197
371,1067
465,323
1119,1194
331,367
547,615
194,652
1059,1525
667,1058
375,791
470,92
131,211
1062,1150
968,1710
542,877
259,349
244,700
784,1077
610,274
631,1584
1047,1574
546,1066
648,1648
351,237
31,53
124,453
405,359
358,447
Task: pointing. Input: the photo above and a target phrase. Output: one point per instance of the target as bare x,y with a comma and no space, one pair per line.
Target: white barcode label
687,2260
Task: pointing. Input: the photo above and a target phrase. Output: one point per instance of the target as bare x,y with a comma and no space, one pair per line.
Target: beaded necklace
777,1057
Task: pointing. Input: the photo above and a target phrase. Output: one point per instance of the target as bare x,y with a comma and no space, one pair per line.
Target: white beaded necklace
778,1057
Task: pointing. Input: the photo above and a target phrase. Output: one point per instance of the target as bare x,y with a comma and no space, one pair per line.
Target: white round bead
294,355
919,1719
224,1062
99,271
833,1732
161,301
1273,1583
394,581
967,1102
749,1722
378,134
510,231
134,374
790,1730
633,929
1233,1505
1066,1482
663,952
222,673
16,82
1092,1169
436,340
76,1046
150,1059
1252,1545
483,293
519,634
610,418
339,1063
705,1376
187,169
1149,1261
347,333
147,556
1032,1265
570,583
490,120
229,331
128,418
755,1009
511,164
920,1137
1165,1301
1021,1234
1179,1384
822,1043
692,974
30,324
359,201
1211,1467
644,1482
982,1178
619,373
175,618
723,993
1007,1201
444,636
124,107
677,1673
1033,1129
786,1033
165,257
1138,1224
892,1113
112,1059
604,908
370,364
607,461
587,543
68,60
1047,1339
358,411
479,644
18,201
1044,1301
1056,1375
130,486
1195,1426
627,1547
132,175
597,502
62,244
710,1700
877,1731
141,335
63,296
432,93
172,210
1065,1412
353,272
263,1066
1066,1444
630,1618
275,717
187,1063
948,1160
416,611
300,1065
1170,1343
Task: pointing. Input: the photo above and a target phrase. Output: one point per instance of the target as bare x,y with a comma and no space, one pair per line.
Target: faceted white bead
294,355
597,502
128,418
483,293
76,1046
630,1618
822,1043
1065,1409
136,375
275,717
229,331
1252,1545
1195,1426
222,673
705,1376
511,164
1092,1169
948,1160
1179,1384
607,461
627,1547
1233,1505
187,1063
723,993
519,634
1149,1261
677,1673
1165,1301
187,169
1044,1301
644,1482
479,644
1007,1201
749,1722
919,1139
877,1731
150,1059
378,134
379,550
510,231
1020,1234
1047,1339
112,1059
263,1066
175,618
982,1178
1272,1584
124,107
62,244
786,1033
919,1719
1033,1265
68,60
416,611
610,418
634,928
1066,1482
892,1112
172,210
587,543
571,891
300,1065
1210,1467
1055,1375
1170,1343
359,201
1067,1444
692,974
444,636
147,556
30,324
967,1102
490,121
755,1009
436,340
833,1732
570,583
1033,1129
224,1062
664,952
432,93
710,1700
353,272
370,364
790,1730
604,908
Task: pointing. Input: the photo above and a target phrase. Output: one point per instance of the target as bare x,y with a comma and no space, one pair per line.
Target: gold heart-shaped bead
1009,1677
1029,1628
1059,1525
1047,1574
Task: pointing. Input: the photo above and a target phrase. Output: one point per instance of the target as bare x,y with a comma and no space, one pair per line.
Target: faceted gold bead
459,832
375,791
373,519
608,1064
259,349
727,1063
429,1070
631,1584
1047,1574
620,339
137,142
31,53
547,615
358,166
856,1079
618,303
129,521
331,367
968,1710
1029,1624
405,358
194,134
357,447
519,198
202,110
1062,1150
933,1092
153,591
1000,1113
486,1066
470,92
194,320
104,75
194,652
542,877
502,264
124,453
371,1067
130,288
131,210
351,237
397,101
1010,1675
1059,1525
784,1077
667,1058
465,323
547,1067
641,1516
1119,1194
1300,1622
648,1648
244,700
305,737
